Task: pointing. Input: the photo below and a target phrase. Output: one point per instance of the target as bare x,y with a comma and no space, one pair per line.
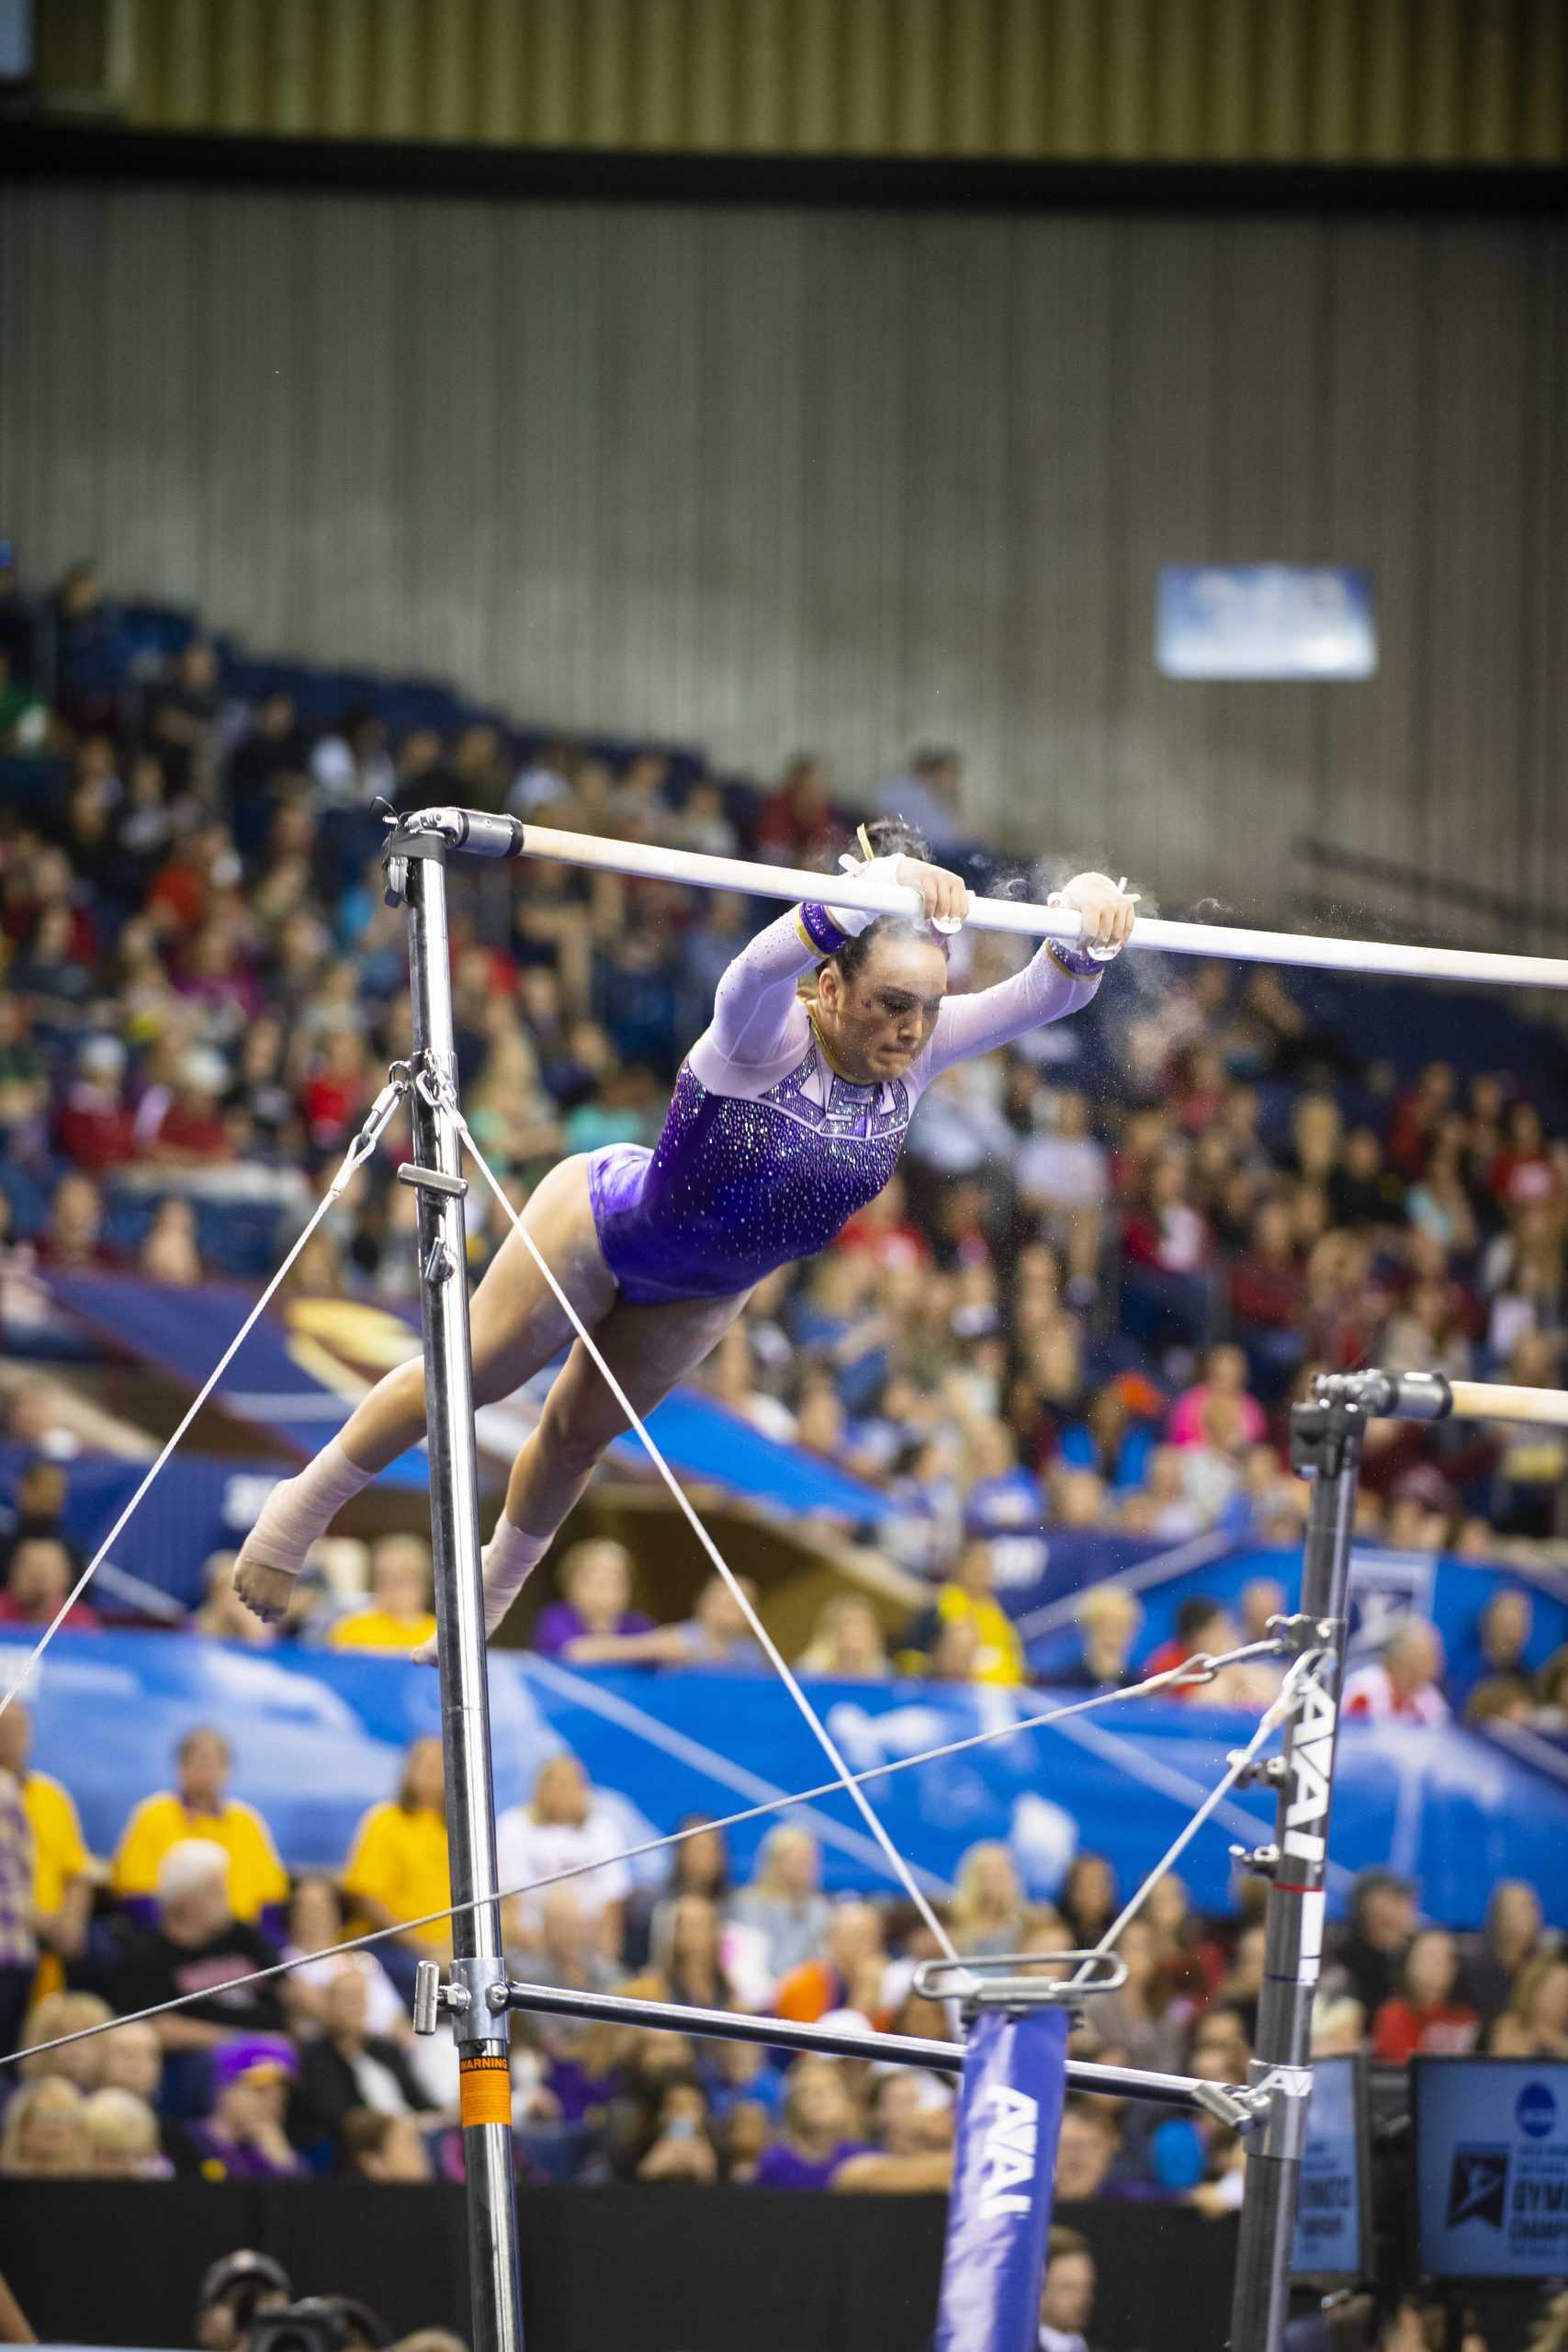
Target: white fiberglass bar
1486,1400
793,883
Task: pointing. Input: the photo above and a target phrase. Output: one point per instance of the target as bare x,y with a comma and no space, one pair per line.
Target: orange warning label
485,2087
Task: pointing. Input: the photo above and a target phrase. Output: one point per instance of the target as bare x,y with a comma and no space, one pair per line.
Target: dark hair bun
892,837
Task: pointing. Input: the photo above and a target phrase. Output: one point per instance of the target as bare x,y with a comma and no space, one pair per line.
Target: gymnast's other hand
944,897
1108,909
266,1591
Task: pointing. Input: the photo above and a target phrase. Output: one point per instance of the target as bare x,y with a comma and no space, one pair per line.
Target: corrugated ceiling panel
1218,81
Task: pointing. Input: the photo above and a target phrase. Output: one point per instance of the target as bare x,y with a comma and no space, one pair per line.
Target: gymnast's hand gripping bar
483,836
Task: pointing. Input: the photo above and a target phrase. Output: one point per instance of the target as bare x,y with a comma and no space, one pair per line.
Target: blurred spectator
378,2146
968,1599
63,1870
243,2137
1511,1938
1139,2017
1503,1630
170,1254
846,1642
40,1575
1066,2299
58,2017
199,1807
564,1828
1535,2023
926,794
346,2067
197,1947
986,1914
819,2130
1224,1376
95,1129
1204,1628
1403,1685
1086,2150
181,1125
1371,1952
316,1924
846,1974
688,1953
399,1617
1087,1899
595,1579
122,2137
782,1905
396,1869
1423,2016
1108,1619
797,823
72,1242
44,2133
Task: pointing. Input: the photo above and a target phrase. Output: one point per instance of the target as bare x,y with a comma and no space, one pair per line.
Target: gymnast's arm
1045,989
755,1006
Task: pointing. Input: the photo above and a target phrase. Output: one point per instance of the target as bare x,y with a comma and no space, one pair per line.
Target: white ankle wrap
507,1561
302,1509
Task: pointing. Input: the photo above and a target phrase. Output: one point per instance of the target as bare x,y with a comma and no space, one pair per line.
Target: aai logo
1478,2187
1536,2112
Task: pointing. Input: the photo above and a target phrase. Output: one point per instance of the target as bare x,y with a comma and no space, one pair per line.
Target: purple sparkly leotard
768,1150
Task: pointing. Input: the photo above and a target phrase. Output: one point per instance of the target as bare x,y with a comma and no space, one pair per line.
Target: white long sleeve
968,1025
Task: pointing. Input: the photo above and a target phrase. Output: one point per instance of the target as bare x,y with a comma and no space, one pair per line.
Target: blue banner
1385,1586
999,2215
319,1736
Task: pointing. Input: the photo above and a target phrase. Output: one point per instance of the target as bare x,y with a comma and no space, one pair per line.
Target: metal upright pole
480,2025
1326,1445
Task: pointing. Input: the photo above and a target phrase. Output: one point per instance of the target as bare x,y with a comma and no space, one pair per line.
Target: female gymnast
788,1115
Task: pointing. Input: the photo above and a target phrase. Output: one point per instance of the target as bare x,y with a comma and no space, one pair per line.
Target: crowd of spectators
1115,1256
203,988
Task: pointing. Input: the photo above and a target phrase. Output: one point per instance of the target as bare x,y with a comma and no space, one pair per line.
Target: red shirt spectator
95,1128
1202,1626
41,1576
1423,2016
1402,1688
1267,1286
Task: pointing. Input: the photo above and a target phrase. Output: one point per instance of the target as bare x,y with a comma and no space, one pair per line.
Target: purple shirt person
817,2136
596,1583
782,2166
243,2138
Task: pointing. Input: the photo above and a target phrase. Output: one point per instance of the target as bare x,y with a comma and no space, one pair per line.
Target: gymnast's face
876,1022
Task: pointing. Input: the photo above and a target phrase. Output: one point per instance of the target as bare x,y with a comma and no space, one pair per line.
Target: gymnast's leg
517,1326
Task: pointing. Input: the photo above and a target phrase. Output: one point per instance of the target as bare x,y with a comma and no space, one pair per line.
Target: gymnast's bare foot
265,1591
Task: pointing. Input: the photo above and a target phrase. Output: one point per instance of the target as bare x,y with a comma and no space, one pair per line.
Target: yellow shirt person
398,1616
398,1868
199,1807
60,1856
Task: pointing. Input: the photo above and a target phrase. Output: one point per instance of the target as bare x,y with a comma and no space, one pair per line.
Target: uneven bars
491,836
1433,1396
1489,1400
